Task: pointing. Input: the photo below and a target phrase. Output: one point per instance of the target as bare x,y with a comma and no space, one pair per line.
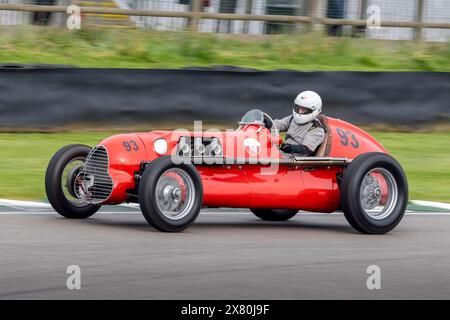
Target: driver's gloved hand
297,149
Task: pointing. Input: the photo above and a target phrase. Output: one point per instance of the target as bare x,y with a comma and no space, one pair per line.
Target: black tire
148,198
350,193
54,189
274,214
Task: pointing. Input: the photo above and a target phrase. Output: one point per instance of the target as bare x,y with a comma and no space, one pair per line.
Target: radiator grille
94,181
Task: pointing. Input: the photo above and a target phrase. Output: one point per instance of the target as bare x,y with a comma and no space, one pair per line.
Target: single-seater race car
173,174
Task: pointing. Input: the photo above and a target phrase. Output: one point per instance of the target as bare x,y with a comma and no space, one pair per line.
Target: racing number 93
130,145
345,140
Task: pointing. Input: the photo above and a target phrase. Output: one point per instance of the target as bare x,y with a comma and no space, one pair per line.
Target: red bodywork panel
246,186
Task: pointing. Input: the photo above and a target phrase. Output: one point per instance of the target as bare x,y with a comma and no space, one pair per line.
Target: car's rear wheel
170,195
274,214
374,193
60,185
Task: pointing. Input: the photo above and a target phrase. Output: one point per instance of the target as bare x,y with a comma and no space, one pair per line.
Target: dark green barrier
46,96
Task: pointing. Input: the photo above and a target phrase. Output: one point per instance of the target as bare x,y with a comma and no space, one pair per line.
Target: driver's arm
310,143
282,124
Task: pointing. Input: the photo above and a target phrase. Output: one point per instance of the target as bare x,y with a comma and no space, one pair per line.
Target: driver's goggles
301,110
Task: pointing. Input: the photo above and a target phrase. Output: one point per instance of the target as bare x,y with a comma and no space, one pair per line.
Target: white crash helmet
307,106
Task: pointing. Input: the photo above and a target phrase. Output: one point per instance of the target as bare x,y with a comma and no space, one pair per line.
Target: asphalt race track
224,255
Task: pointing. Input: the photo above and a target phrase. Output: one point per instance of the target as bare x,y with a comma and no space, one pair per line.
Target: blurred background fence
427,20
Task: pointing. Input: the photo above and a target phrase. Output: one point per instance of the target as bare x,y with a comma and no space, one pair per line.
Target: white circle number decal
252,146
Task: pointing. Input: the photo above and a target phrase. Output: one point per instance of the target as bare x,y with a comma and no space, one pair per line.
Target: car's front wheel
374,193
170,195
60,185
274,214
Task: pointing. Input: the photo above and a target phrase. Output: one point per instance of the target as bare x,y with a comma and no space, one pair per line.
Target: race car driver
304,131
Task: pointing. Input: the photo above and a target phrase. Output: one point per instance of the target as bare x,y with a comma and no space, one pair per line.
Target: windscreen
254,116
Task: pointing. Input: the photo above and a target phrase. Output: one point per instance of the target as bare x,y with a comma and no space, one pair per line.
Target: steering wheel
257,117
270,124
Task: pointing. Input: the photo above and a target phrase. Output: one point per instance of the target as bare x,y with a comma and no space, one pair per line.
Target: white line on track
439,205
23,204
224,213
26,205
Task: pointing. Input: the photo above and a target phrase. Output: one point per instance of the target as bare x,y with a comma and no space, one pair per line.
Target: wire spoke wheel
374,193
61,187
378,193
70,188
175,193
170,195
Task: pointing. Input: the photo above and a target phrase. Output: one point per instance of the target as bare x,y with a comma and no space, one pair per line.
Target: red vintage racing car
173,174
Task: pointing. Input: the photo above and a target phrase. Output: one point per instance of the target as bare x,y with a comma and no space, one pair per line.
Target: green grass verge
424,156
149,49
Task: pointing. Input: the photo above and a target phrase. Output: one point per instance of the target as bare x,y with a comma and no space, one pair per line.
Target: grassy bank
424,156
147,49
